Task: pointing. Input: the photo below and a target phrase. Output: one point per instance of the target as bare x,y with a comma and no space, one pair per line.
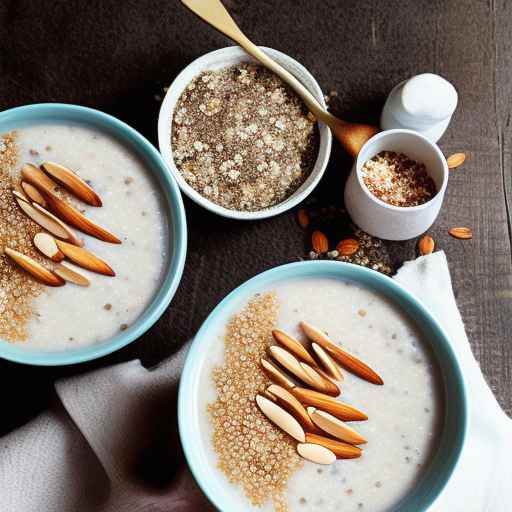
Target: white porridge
404,415
70,316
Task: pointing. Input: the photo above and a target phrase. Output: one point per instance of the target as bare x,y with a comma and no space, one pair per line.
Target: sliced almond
33,193
340,449
461,233
334,426
319,382
284,420
316,453
33,175
85,259
347,360
47,221
276,375
72,183
287,401
327,403
68,274
34,268
327,362
289,362
47,246
294,346
20,195
77,219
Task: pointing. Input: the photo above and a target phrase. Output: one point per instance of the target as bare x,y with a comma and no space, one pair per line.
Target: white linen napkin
110,442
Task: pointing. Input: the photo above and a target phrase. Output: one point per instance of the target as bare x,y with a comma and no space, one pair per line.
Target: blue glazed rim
60,112
435,476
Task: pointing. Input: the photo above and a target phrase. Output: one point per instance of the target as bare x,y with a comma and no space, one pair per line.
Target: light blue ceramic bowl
435,476
62,113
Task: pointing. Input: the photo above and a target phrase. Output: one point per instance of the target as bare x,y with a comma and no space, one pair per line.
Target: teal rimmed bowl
63,113
453,433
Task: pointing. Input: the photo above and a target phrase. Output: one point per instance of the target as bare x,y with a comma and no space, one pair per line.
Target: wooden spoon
352,136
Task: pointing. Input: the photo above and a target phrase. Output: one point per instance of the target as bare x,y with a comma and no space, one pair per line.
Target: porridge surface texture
72,316
252,452
405,414
242,138
398,180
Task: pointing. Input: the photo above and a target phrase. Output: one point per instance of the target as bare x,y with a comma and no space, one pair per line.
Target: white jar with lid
424,103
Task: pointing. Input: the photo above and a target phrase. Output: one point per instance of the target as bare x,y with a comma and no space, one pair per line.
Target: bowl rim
92,118
443,462
165,129
404,209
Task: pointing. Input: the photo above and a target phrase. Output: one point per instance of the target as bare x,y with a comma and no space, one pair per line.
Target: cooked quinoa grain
242,138
252,452
398,180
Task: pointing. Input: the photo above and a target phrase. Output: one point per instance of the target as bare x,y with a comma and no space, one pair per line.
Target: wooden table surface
118,56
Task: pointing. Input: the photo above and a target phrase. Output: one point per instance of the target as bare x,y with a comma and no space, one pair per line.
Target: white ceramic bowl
228,57
381,219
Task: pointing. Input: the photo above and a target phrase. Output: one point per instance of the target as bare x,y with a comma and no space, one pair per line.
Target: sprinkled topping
398,180
242,139
252,451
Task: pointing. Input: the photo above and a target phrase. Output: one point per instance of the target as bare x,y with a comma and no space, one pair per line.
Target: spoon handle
215,14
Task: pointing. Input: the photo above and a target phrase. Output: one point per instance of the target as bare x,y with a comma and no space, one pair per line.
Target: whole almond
426,245
319,242
461,233
455,160
303,218
348,247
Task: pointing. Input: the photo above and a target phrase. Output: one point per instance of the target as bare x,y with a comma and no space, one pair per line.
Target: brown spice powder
398,180
252,451
17,288
242,138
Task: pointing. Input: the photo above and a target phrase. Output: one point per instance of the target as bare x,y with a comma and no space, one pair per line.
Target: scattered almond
347,360
334,426
33,193
34,268
72,183
327,403
287,401
77,219
276,375
319,242
284,420
47,220
85,259
461,233
327,362
340,449
319,382
289,362
294,346
426,245
347,247
455,160
68,274
47,246
316,453
303,218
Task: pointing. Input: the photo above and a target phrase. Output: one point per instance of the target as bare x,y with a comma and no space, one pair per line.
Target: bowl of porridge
92,234
238,140
321,386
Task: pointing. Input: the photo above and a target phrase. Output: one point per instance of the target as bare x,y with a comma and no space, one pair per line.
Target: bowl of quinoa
238,140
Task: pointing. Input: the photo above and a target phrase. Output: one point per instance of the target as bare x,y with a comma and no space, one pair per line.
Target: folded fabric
110,443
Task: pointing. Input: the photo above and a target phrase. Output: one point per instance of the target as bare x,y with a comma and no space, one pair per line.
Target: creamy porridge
70,316
404,414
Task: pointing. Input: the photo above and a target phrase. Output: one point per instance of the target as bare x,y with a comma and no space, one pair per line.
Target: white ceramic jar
381,219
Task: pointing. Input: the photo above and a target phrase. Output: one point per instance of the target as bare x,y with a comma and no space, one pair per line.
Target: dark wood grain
117,56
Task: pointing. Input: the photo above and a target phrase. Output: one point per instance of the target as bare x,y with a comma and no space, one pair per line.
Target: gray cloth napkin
110,443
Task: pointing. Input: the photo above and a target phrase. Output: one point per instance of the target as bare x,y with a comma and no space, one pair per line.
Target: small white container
381,219
424,103
217,60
